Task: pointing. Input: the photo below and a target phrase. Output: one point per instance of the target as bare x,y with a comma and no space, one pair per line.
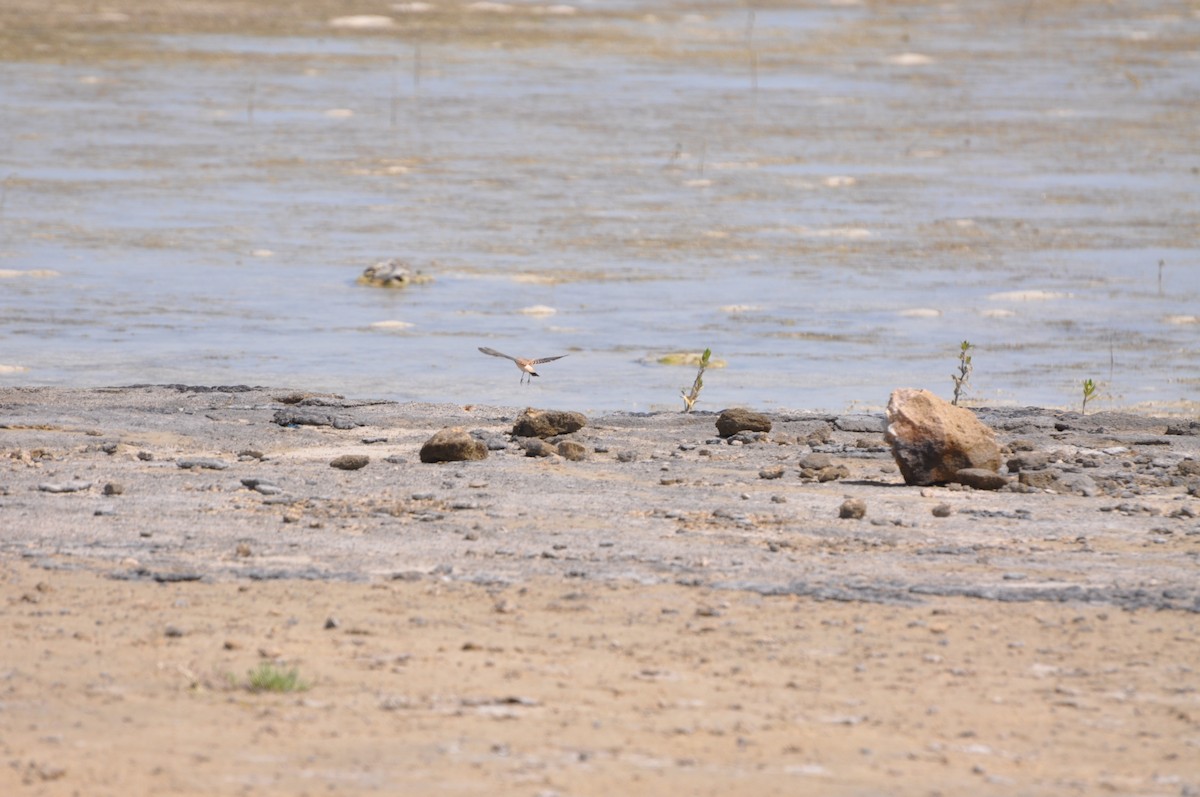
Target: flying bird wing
495,353
547,359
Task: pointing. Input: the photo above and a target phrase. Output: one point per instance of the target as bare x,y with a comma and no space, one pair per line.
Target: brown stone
932,439
547,423
452,444
569,449
980,478
739,419
536,447
1039,479
350,461
852,509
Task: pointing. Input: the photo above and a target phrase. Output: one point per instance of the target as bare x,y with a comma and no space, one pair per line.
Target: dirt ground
553,687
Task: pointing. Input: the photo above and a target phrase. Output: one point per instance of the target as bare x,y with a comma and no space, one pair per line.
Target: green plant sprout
269,678
964,371
1089,392
689,399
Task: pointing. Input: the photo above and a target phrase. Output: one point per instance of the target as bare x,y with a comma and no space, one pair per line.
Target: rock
205,463
569,449
393,273
1039,479
1078,483
775,472
817,437
547,423
452,444
942,510
747,438
299,416
852,509
1190,428
350,461
739,419
262,487
536,447
932,439
820,468
815,461
1032,460
980,478
860,423
1188,467
629,456
65,487
114,488
829,474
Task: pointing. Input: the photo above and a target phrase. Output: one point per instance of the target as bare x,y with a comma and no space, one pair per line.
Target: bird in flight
526,366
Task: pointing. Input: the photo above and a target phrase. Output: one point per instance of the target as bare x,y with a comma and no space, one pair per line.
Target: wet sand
664,615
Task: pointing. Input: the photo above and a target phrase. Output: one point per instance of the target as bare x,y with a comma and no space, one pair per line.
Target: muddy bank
179,483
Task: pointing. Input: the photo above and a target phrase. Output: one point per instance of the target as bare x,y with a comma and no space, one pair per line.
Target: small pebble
853,509
942,510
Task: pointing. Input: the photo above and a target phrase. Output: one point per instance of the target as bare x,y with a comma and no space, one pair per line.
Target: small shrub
1089,392
964,371
689,399
269,678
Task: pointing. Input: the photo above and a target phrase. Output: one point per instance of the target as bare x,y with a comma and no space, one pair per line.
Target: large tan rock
932,439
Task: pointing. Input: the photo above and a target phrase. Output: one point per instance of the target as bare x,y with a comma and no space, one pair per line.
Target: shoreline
170,483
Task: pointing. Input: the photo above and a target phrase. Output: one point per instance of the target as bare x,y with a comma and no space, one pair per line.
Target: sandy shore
673,613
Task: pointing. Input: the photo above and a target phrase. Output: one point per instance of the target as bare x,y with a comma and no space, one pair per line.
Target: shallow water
831,198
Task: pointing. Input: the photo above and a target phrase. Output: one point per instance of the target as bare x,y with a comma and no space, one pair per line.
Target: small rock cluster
534,430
